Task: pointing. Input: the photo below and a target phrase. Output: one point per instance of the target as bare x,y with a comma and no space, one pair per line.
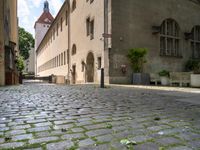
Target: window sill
169,56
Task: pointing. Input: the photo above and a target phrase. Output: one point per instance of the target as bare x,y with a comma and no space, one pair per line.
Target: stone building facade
98,34
8,42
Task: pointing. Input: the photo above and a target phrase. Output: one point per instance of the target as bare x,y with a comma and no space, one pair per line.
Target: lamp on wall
188,35
156,29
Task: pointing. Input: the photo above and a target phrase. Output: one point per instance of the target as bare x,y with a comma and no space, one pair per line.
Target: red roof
43,18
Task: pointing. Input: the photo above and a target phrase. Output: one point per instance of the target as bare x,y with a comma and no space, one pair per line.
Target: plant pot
195,80
164,81
141,79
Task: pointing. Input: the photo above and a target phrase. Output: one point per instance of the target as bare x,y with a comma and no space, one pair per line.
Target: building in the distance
8,42
42,26
89,35
30,63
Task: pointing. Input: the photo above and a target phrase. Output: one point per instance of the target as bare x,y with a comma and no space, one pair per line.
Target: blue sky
30,10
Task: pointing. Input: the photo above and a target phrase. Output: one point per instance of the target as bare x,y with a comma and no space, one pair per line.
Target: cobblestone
60,145
86,117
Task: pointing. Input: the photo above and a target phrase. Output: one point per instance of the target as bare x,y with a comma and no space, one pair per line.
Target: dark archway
90,68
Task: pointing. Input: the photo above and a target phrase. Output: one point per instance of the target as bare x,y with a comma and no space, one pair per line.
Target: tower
41,27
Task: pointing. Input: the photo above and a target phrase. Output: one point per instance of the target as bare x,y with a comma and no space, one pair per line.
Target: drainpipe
106,49
69,40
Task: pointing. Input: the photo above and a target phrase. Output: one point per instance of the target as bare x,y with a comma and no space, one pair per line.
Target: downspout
69,41
106,50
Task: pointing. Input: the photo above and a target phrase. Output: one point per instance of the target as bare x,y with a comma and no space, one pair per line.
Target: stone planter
164,80
141,79
195,80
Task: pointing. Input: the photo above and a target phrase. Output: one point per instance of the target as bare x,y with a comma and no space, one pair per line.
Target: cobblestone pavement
85,117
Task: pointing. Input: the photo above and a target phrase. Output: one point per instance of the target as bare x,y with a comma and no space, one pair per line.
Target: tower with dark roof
42,25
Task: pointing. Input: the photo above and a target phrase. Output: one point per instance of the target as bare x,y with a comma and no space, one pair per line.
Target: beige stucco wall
48,50
83,43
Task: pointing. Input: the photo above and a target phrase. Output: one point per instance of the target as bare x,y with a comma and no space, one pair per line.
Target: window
195,42
66,17
57,28
64,58
90,28
73,5
82,66
54,33
169,39
99,62
59,61
61,23
74,49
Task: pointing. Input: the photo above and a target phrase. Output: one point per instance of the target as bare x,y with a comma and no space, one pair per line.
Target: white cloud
36,3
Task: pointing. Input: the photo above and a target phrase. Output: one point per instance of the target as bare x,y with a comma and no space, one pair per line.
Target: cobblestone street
85,117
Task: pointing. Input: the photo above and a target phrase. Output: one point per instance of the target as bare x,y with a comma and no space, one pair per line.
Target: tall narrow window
169,38
54,33
61,24
73,49
57,29
66,17
73,5
61,59
195,42
92,29
64,58
88,26
99,62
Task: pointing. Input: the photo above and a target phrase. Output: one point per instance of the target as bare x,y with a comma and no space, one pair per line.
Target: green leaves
136,57
20,63
26,42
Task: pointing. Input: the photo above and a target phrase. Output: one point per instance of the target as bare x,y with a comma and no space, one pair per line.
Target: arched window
169,38
73,49
195,42
73,5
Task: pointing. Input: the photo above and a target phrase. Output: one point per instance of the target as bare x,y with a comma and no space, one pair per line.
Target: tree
26,42
20,63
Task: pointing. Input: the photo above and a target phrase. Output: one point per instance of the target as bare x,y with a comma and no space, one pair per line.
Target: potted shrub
194,66
137,59
164,77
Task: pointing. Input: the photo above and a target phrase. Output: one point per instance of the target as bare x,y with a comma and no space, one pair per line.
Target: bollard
102,78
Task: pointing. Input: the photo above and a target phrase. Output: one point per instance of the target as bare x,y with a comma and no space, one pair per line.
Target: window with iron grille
195,42
169,39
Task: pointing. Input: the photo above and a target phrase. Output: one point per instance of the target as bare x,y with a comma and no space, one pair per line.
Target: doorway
90,68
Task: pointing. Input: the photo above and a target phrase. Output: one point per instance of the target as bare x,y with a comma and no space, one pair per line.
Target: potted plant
137,59
164,77
194,66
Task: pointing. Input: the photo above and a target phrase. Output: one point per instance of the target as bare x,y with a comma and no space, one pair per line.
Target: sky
30,10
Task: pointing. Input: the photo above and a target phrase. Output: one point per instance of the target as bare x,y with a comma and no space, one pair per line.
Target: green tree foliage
26,42
20,63
136,57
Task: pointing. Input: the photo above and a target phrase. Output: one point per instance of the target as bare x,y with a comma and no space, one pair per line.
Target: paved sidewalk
85,117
